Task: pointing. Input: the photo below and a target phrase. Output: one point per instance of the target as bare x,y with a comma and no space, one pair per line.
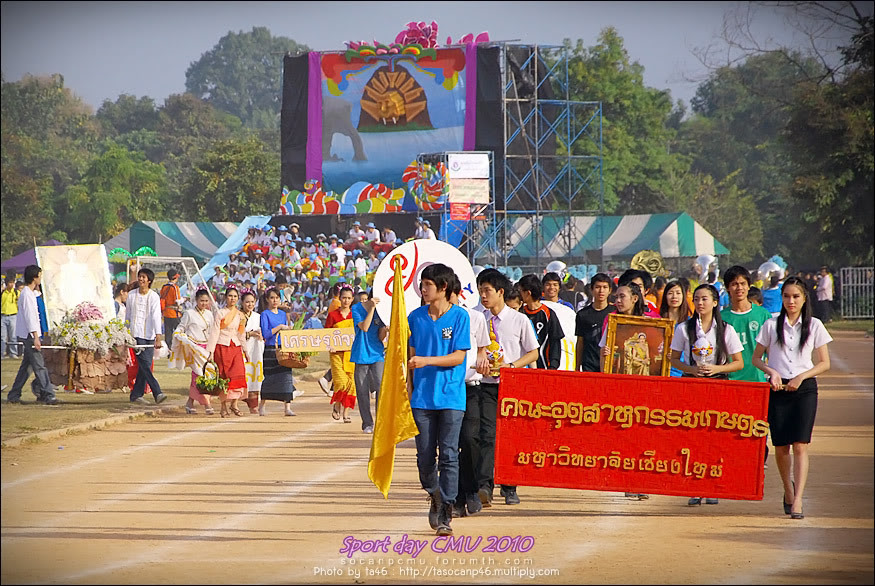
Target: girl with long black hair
796,344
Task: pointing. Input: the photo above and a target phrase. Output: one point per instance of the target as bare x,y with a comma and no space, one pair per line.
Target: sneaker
712,501
297,393
434,506
369,429
485,496
325,385
160,398
631,495
141,401
472,502
643,497
510,496
51,401
694,501
445,516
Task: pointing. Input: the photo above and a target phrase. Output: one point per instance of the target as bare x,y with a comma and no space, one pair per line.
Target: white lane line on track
149,555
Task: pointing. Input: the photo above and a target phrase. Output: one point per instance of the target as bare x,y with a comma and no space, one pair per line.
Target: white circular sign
415,256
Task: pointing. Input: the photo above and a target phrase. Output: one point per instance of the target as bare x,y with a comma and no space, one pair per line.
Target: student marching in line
712,347
467,501
791,339
588,324
674,306
226,347
439,340
548,331
519,347
194,329
747,318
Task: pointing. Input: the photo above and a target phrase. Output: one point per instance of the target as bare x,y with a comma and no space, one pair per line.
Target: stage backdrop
354,123
625,433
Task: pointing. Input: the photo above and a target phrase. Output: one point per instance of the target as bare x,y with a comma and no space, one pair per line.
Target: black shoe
14,401
52,401
510,496
444,518
485,496
459,510
160,398
434,507
472,501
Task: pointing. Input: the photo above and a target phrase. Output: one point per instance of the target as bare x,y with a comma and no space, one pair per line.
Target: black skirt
278,384
792,413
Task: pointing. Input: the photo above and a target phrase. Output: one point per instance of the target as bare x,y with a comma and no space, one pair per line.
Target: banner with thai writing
317,340
626,433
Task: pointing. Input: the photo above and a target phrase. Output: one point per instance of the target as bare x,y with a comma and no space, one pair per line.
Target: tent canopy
672,235
22,260
199,240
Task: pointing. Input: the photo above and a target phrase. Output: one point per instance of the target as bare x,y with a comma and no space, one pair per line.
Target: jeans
438,432
144,371
8,341
488,415
32,360
368,378
469,442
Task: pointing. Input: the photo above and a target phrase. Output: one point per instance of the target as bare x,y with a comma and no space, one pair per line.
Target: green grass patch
851,325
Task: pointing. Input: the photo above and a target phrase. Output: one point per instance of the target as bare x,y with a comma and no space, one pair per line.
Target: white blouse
790,360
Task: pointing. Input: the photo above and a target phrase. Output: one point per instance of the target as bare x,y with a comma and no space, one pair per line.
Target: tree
242,75
118,188
830,138
636,132
235,178
127,114
47,139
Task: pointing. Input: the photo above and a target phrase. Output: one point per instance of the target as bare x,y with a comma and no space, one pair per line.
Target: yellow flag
394,422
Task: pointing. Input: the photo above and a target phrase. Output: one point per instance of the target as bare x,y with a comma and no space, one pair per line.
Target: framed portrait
638,345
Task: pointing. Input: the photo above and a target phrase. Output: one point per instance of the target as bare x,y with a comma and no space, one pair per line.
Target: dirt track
262,500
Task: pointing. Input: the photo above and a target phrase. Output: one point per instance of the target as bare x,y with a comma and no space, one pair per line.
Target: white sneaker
369,429
290,413
326,386
297,393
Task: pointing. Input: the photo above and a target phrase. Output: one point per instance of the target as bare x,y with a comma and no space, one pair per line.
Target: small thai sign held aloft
317,340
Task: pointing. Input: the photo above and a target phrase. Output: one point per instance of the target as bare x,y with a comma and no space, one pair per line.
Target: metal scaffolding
552,167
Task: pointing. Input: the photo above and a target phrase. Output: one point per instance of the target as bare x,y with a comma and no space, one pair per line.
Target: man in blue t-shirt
367,354
439,340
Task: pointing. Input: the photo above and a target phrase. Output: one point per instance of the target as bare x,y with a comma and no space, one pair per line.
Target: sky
106,49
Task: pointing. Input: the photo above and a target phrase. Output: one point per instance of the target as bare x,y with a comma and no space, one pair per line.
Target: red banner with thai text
624,433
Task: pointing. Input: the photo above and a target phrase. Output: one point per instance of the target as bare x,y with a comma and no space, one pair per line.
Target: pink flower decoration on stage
419,33
86,311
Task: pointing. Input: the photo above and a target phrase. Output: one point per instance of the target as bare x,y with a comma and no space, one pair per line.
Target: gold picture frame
630,354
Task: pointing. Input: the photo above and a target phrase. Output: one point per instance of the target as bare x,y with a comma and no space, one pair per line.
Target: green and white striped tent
672,235
196,239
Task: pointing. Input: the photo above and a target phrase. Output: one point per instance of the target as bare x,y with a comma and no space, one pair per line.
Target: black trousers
488,404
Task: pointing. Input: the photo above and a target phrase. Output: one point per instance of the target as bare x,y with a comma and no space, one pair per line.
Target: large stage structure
552,166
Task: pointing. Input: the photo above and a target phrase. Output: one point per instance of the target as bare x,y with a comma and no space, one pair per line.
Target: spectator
389,235
428,233
356,233
171,303
9,309
824,295
372,234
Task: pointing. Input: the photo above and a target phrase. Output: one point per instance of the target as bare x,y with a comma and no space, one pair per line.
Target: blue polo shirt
366,346
439,387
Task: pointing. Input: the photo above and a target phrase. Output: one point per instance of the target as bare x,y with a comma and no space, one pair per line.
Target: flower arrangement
84,328
210,383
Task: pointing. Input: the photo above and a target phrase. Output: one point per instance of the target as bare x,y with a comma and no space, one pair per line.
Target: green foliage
127,114
636,132
242,75
118,188
235,178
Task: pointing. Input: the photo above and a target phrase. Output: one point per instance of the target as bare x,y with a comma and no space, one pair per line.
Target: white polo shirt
790,360
479,339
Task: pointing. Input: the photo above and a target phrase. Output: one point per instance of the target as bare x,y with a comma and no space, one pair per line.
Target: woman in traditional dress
278,384
226,348
796,344
342,369
189,347
254,349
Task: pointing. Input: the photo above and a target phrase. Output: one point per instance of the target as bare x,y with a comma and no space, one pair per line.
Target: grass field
78,409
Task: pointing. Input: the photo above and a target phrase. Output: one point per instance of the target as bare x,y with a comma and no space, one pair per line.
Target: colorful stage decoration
353,122
144,251
360,198
118,255
627,433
